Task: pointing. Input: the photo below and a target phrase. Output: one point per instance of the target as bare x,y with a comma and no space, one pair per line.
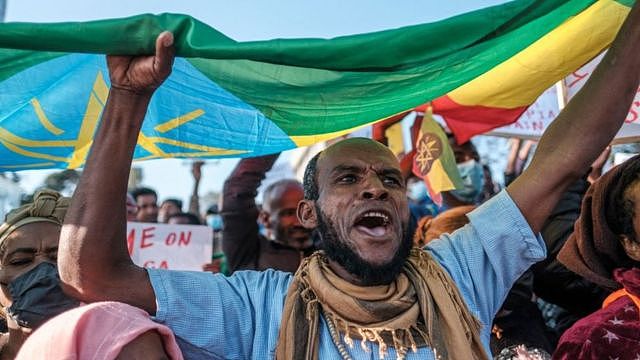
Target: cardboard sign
175,247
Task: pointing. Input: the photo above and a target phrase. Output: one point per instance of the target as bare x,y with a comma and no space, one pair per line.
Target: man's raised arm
583,129
93,259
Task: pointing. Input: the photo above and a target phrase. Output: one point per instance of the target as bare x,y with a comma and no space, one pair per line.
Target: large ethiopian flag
238,99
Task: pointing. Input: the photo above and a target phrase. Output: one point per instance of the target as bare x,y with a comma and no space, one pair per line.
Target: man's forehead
357,152
147,197
290,190
283,193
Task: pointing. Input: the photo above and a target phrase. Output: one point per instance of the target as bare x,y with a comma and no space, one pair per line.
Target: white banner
630,130
175,247
535,120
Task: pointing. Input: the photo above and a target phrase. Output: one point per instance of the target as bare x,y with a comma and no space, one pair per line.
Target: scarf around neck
421,307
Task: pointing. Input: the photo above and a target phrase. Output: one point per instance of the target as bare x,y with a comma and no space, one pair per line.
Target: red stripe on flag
467,121
380,127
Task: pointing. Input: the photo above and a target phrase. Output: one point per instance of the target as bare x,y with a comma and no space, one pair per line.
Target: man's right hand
143,74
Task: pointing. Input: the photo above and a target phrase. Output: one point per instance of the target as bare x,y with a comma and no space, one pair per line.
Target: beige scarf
421,307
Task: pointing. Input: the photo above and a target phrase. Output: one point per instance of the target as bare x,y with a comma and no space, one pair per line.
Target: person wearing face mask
420,203
214,220
31,291
472,174
218,263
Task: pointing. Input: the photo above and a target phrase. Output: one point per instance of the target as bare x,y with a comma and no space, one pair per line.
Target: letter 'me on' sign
175,247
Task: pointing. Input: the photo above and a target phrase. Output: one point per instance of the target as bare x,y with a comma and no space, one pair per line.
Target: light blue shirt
238,317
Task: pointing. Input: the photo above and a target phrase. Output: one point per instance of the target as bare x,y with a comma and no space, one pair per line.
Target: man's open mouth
374,223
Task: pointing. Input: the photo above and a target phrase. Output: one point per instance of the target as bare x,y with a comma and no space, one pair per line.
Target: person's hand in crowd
143,74
514,147
523,154
214,266
196,170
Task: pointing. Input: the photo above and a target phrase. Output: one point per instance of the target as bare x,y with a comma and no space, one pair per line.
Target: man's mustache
298,228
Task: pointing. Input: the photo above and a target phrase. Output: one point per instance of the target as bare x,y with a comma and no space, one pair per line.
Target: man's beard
368,274
298,242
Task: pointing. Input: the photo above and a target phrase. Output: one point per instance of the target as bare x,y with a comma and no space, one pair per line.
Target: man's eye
19,262
347,179
391,181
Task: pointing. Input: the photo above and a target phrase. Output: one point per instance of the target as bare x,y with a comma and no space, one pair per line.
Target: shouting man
368,291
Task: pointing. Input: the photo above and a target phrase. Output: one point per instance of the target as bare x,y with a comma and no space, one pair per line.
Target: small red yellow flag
434,161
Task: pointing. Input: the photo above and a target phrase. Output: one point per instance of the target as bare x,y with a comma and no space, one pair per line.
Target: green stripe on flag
337,100
381,51
312,86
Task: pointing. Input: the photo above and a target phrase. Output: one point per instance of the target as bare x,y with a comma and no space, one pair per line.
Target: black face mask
37,296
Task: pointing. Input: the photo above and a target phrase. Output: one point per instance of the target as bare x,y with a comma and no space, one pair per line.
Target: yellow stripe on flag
546,60
179,121
14,139
306,140
97,100
43,118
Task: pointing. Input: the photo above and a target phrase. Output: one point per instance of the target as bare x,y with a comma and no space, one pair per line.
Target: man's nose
43,257
374,189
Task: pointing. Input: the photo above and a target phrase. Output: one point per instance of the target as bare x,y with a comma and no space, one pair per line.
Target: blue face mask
215,222
473,180
417,191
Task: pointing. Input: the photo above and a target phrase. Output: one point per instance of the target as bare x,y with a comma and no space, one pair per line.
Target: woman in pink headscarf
101,331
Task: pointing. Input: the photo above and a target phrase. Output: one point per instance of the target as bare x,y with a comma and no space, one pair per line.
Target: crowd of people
355,262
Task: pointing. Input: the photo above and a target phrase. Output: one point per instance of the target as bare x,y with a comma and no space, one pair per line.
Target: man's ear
631,247
307,214
263,218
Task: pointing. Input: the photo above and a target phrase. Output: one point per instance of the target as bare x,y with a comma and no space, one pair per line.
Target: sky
242,20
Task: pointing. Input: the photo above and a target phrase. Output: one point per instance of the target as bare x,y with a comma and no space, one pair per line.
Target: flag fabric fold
237,99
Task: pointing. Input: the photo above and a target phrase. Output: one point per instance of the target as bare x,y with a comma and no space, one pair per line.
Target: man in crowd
147,201
472,174
182,218
168,208
285,241
368,291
